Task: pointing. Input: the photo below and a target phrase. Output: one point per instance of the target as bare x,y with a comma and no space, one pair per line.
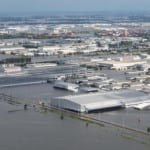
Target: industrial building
100,101
119,65
66,86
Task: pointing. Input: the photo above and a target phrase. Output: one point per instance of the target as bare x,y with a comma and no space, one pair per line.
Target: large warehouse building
100,101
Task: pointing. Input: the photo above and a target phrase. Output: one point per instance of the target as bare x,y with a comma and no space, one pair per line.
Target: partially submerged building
100,101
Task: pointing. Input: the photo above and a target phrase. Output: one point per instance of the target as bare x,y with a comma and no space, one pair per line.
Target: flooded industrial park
78,81
47,128
34,94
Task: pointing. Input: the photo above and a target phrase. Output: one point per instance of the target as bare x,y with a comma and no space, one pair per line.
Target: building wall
62,103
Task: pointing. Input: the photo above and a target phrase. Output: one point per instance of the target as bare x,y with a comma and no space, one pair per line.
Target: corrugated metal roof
119,96
97,101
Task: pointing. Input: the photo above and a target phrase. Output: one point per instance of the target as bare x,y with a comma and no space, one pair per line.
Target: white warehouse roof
86,102
97,101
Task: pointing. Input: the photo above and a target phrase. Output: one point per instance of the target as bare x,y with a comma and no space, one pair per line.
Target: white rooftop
95,101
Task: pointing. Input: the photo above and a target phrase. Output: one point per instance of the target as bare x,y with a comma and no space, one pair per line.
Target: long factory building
101,101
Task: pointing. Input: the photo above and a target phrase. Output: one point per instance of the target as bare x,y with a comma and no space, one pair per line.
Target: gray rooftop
125,96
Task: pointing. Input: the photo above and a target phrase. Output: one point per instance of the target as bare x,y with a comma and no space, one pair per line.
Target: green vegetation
18,60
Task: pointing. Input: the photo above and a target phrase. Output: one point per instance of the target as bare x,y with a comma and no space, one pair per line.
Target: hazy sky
73,5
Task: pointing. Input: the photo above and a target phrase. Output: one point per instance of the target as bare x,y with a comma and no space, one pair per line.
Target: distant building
125,64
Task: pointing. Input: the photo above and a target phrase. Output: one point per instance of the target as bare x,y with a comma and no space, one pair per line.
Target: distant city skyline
73,5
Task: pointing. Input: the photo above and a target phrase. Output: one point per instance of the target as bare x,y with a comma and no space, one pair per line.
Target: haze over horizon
72,5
